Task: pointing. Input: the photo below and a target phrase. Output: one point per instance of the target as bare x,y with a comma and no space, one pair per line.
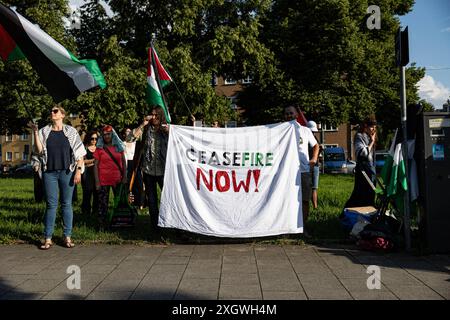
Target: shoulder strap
112,157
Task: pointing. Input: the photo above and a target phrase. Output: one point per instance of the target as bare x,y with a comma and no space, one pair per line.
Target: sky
429,46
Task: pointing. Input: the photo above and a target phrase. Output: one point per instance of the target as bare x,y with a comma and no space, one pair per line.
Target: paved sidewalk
241,271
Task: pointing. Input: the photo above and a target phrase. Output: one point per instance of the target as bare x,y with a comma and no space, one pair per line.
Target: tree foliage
316,54
331,64
19,78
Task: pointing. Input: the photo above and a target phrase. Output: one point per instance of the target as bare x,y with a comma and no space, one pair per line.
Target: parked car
380,156
351,165
335,160
24,169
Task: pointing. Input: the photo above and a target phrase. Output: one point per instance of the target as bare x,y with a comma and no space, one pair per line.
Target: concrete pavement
231,271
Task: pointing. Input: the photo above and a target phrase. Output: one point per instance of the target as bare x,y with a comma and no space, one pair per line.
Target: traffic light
402,48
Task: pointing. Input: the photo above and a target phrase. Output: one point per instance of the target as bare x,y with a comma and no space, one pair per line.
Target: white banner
234,182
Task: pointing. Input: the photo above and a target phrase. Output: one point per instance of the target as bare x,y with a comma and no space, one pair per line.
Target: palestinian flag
63,74
302,119
9,51
157,79
394,174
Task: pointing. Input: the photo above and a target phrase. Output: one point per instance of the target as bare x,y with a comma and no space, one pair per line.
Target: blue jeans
315,177
58,182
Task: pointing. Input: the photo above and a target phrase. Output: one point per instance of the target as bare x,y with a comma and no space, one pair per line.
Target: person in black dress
88,179
363,195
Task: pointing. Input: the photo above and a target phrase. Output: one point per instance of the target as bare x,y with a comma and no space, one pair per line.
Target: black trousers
103,199
151,183
90,195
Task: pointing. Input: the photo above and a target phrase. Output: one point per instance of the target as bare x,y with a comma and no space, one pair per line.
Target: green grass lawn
21,218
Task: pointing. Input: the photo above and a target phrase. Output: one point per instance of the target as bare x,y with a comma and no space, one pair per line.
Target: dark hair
161,115
367,122
87,137
124,130
297,108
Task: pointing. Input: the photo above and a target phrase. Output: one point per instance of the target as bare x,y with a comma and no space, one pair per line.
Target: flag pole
176,86
407,209
25,106
182,98
158,80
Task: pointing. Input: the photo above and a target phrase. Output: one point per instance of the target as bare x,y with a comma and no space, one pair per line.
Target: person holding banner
110,167
307,140
154,152
61,151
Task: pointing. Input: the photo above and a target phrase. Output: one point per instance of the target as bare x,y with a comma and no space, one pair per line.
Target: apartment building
15,149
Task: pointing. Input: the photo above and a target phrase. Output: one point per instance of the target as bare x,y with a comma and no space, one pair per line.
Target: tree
122,102
95,27
196,39
331,64
18,77
317,54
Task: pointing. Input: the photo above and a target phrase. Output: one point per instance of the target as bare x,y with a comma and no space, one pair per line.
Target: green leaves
330,63
318,54
19,76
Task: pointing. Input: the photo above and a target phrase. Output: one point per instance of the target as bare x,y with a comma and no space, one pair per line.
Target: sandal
68,243
47,244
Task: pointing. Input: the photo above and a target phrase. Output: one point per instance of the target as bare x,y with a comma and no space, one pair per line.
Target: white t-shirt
129,151
307,140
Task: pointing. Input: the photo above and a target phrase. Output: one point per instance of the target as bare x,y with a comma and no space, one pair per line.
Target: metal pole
407,221
322,141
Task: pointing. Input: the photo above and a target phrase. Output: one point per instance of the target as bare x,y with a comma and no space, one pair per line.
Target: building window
8,156
24,137
16,155
230,81
328,127
247,80
9,137
26,152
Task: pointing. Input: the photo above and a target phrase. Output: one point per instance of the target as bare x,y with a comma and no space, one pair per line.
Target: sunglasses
94,138
55,111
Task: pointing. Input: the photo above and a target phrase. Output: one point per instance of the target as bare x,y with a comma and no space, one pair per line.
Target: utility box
433,164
